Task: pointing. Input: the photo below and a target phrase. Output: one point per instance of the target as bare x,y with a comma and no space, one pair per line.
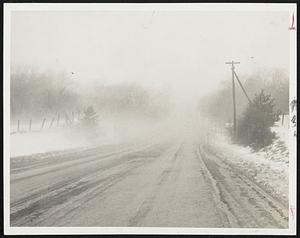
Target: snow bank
108,131
40,142
269,167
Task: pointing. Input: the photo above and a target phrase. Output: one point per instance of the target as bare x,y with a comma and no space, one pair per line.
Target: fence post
43,123
18,125
282,119
51,122
58,117
67,118
30,125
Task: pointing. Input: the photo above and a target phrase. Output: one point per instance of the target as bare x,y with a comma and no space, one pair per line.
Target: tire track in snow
30,209
24,163
258,200
276,203
20,164
243,216
148,203
39,192
74,162
227,217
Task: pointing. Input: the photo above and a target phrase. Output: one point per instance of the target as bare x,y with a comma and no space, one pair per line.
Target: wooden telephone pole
233,96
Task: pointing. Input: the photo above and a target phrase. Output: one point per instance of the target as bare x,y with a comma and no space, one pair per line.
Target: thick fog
182,50
143,72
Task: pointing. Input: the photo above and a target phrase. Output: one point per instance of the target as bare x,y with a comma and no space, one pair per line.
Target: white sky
182,50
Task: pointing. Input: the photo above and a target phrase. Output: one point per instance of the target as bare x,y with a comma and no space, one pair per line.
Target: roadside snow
41,142
282,134
66,138
268,167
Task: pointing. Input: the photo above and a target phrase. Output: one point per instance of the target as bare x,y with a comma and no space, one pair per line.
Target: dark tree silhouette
254,127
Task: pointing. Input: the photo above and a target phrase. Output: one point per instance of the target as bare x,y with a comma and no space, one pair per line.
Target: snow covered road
167,183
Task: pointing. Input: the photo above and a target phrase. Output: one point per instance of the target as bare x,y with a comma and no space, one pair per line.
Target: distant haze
181,51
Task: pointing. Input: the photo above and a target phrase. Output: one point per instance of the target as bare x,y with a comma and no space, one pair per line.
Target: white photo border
9,7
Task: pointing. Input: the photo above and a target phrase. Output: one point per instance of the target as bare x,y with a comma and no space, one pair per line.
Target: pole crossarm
232,63
242,87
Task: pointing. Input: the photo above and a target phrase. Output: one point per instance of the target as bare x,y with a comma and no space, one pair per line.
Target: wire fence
57,121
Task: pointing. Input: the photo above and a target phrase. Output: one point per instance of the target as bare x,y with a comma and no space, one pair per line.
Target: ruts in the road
167,184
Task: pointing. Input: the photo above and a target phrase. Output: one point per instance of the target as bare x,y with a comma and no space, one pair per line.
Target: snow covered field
65,138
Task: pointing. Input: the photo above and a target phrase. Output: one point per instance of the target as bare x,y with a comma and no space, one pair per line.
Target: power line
242,87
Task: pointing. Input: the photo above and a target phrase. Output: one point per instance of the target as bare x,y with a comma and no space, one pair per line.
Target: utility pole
233,96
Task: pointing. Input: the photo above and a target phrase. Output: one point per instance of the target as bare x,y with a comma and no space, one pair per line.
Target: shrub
254,127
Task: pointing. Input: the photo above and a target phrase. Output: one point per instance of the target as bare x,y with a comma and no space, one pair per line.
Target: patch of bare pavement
177,183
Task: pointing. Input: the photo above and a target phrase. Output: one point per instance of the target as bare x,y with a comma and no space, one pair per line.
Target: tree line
34,93
269,91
